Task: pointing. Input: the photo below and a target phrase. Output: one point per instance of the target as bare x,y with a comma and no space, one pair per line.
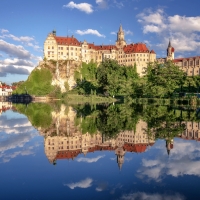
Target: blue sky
25,24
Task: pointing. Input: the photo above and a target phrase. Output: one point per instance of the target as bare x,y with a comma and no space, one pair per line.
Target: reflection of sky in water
153,175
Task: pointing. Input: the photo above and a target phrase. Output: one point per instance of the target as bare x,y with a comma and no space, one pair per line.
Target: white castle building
69,48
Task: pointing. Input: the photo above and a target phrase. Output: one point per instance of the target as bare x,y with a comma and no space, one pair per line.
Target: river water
99,152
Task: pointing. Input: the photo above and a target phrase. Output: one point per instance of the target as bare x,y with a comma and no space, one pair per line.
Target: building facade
190,65
69,48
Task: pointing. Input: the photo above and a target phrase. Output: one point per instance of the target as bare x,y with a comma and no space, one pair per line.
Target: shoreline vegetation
103,83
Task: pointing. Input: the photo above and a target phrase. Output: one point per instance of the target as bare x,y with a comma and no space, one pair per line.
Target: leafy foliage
38,83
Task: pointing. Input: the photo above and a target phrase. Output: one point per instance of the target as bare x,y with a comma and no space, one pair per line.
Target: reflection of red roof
67,154
67,41
71,154
138,148
134,147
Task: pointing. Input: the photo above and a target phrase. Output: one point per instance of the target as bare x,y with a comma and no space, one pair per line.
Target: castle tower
170,51
120,38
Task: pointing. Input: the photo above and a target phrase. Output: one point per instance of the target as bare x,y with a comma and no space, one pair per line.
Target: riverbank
75,98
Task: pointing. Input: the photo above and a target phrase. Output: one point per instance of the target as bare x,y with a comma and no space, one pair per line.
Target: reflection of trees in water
110,120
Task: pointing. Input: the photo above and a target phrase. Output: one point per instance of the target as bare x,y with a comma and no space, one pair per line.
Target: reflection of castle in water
5,106
191,132
63,140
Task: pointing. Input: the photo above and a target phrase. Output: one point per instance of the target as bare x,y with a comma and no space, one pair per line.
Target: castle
69,48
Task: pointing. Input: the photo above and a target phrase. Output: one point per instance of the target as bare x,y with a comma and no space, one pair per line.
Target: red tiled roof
136,48
105,47
181,59
67,41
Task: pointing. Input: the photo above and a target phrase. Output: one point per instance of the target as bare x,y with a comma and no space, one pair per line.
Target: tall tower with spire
170,51
120,43
119,152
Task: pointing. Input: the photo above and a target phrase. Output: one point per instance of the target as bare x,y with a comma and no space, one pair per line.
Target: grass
75,98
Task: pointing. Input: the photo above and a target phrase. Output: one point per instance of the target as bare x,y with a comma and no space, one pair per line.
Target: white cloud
128,32
165,27
191,24
184,160
19,39
90,31
81,184
90,160
16,62
102,4
154,196
14,50
4,31
85,7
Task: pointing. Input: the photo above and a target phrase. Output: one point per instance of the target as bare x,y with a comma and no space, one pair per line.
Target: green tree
163,79
109,77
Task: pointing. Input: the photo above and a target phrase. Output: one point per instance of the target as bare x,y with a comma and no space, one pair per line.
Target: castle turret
120,156
169,145
120,38
170,51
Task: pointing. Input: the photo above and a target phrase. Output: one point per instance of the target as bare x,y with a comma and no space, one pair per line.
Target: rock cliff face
62,72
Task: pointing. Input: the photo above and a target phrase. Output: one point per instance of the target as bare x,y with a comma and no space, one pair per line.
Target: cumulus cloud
165,27
86,183
90,160
154,196
84,7
16,61
90,31
26,40
12,70
14,50
19,39
4,31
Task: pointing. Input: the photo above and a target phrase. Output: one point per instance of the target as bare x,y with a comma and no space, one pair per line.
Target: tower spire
169,45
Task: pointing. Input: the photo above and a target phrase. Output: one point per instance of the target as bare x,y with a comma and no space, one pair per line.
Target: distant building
5,90
190,65
69,48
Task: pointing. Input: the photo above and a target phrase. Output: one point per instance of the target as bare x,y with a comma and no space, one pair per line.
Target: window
185,63
191,63
197,62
